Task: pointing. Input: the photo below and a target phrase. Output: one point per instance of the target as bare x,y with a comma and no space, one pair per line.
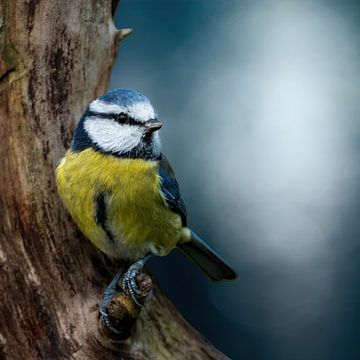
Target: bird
122,192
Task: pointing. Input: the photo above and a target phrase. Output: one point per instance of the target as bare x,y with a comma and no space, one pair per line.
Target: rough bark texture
55,57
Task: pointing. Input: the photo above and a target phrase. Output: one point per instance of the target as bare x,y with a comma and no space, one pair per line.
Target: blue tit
121,190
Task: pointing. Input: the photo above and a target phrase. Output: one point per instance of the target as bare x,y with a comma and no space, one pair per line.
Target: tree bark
55,58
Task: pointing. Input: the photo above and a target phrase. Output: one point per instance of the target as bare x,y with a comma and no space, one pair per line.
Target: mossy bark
55,57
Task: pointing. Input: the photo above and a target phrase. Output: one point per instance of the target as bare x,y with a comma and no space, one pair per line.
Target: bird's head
122,123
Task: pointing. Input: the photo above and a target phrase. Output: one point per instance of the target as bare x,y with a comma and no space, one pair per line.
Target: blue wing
196,249
170,189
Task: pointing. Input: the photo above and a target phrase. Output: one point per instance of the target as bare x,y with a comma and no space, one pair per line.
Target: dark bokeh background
260,101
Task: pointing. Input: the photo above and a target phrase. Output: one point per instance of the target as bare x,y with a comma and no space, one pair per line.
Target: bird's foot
136,284
108,295
123,300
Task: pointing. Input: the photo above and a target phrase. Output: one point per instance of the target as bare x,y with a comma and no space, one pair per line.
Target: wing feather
170,189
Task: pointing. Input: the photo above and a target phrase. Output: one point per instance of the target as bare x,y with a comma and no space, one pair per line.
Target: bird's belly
139,218
136,219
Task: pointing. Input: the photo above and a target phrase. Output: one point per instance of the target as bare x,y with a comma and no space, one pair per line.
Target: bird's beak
154,126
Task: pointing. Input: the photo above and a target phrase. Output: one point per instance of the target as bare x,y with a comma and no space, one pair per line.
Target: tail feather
213,266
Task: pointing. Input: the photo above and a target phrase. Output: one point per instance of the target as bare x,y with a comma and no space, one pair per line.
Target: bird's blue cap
124,97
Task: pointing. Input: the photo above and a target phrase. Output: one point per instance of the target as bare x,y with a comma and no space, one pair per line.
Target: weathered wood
55,57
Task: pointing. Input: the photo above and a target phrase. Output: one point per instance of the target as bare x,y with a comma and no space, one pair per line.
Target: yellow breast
136,214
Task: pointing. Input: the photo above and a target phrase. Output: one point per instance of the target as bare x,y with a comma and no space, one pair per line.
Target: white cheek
111,136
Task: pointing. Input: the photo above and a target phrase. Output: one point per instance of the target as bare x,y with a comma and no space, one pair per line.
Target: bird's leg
130,282
123,300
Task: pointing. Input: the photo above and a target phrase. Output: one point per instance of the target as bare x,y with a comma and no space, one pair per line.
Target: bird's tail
213,266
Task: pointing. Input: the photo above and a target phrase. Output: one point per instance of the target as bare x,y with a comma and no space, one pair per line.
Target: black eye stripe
121,118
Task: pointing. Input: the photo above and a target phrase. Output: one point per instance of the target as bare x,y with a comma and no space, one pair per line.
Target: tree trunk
55,58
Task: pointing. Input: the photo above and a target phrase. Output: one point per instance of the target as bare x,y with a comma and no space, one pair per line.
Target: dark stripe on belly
100,215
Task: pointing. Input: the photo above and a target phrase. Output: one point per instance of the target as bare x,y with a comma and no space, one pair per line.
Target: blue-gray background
261,103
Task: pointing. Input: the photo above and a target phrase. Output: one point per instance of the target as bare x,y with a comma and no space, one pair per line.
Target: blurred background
260,101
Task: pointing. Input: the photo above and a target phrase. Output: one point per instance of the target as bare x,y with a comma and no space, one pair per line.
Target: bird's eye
122,118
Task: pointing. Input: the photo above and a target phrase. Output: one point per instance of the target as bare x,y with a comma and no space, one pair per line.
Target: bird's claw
106,320
109,293
130,282
135,284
